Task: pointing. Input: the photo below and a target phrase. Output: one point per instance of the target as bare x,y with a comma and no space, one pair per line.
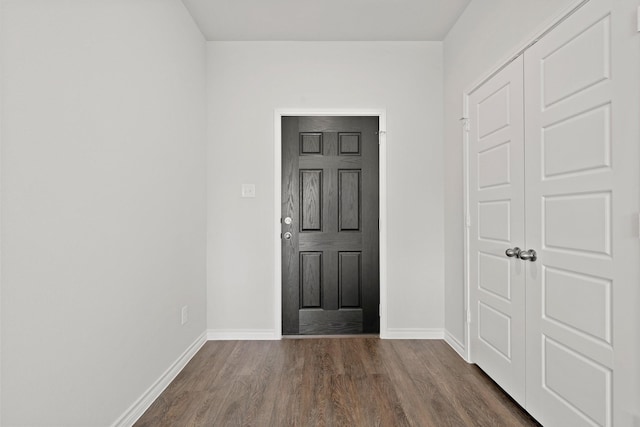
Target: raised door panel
349,195
311,143
310,279
588,133
350,279
578,63
494,330
310,200
580,303
494,220
349,144
571,209
494,275
578,223
566,371
496,208
494,112
494,166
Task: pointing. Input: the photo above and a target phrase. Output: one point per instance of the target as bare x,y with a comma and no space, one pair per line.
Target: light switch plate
248,190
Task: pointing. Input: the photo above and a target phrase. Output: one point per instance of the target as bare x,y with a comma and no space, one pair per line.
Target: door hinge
466,123
379,311
380,133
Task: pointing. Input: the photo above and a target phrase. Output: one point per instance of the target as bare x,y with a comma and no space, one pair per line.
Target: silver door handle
287,235
515,252
529,255
288,220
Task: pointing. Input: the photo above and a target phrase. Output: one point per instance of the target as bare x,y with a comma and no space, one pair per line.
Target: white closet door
496,204
570,209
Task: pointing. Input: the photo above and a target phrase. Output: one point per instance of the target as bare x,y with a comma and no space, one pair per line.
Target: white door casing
496,200
382,117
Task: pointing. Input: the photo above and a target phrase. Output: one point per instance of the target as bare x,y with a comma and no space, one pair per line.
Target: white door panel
579,222
570,403
579,302
493,112
494,329
570,207
494,275
580,61
496,203
494,166
587,133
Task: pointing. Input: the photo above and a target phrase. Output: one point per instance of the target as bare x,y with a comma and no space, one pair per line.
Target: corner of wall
455,344
193,19
138,408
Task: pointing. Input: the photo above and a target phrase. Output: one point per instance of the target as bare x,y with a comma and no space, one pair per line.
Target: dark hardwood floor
332,382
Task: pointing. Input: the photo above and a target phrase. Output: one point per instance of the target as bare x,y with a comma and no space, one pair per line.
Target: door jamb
277,161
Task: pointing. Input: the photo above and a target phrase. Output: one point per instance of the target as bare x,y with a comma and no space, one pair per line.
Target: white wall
486,33
247,82
103,203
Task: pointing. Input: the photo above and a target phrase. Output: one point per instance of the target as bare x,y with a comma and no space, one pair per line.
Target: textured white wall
485,34
103,203
247,82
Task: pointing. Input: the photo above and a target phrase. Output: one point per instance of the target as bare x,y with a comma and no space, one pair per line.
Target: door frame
277,227
520,49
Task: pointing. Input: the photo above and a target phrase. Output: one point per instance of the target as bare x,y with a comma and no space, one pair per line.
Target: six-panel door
330,194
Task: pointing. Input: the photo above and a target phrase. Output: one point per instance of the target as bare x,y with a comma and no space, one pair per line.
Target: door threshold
294,337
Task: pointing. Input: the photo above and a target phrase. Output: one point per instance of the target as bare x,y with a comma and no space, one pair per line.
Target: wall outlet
185,314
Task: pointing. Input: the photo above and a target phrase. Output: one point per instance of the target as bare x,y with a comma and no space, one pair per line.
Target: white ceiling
326,20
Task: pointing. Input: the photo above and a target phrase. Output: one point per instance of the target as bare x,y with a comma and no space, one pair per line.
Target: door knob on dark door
515,252
529,255
287,235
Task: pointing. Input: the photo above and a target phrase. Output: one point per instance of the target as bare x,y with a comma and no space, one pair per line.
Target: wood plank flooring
332,382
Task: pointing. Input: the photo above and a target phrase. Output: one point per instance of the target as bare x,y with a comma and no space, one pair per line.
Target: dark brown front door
330,256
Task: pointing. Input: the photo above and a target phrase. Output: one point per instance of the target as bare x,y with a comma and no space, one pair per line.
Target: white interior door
496,204
571,205
574,192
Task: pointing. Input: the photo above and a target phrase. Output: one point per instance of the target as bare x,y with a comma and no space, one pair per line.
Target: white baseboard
242,334
138,408
412,334
455,344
